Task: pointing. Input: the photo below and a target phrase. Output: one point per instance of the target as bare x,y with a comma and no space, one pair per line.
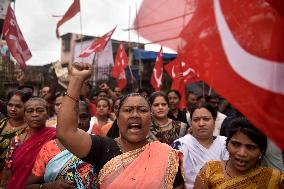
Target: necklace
227,170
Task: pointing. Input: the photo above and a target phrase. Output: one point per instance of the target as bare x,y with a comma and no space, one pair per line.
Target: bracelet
71,97
40,186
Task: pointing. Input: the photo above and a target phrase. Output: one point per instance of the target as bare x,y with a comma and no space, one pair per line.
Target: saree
154,166
25,155
67,166
103,130
5,139
195,155
212,175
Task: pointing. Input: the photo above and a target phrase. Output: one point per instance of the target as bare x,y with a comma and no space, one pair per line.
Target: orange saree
154,166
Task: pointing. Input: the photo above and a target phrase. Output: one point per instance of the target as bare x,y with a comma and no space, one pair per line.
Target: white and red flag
70,13
179,68
15,39
118,70
236,47
98,44
156,78
176,72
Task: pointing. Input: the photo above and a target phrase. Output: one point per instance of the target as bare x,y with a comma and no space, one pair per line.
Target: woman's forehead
35,103
135,101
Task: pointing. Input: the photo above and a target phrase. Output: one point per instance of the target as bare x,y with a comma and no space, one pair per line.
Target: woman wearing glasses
128,161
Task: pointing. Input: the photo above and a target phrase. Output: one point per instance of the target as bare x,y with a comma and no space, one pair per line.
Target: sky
37,23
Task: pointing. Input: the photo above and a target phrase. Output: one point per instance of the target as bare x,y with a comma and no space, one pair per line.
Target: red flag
98,44
178,67
71,12
236,46
156,78
118,70
176,72
15,39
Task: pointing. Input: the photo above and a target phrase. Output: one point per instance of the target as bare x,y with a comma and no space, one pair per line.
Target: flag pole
81,29
139,53
203,90
130,55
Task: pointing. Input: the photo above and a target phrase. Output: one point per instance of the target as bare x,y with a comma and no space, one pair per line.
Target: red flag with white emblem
70,13
98,45
176,72
15,39
118,70
156,78
236,47
178,67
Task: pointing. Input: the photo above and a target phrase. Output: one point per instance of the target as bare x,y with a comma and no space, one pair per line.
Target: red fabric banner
236,47
70,13
156,78
118,70
98,44
15,39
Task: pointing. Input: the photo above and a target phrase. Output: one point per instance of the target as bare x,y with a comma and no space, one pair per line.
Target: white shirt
195,155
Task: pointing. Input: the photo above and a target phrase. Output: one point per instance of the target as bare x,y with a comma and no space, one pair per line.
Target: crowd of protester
70,139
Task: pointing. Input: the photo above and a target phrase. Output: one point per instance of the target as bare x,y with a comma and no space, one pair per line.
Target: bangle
40,186
71,97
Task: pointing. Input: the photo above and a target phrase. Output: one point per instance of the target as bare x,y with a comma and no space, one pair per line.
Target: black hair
26,86
205,105
59,93
125,97
25,96
100,91
241,124
85,104
191,92
156,94
208,98
143,90
174,91
104,99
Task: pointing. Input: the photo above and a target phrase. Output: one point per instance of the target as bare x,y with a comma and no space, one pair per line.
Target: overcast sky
98,17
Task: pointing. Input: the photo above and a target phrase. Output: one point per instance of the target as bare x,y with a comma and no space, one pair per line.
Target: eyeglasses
139,109
204,118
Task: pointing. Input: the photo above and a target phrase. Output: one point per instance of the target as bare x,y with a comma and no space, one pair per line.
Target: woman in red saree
22,153
128,161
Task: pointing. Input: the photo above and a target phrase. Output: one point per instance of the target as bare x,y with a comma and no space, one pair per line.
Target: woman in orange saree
128,161
140,168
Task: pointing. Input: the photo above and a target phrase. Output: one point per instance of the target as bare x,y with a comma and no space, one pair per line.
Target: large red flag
156,78
236,47
118,70
98,44
71,12
15,39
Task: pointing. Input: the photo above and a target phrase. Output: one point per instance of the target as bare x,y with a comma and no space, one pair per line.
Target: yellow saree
212,174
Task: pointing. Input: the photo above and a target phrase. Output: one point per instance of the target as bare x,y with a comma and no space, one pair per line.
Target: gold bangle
40,186
71,97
